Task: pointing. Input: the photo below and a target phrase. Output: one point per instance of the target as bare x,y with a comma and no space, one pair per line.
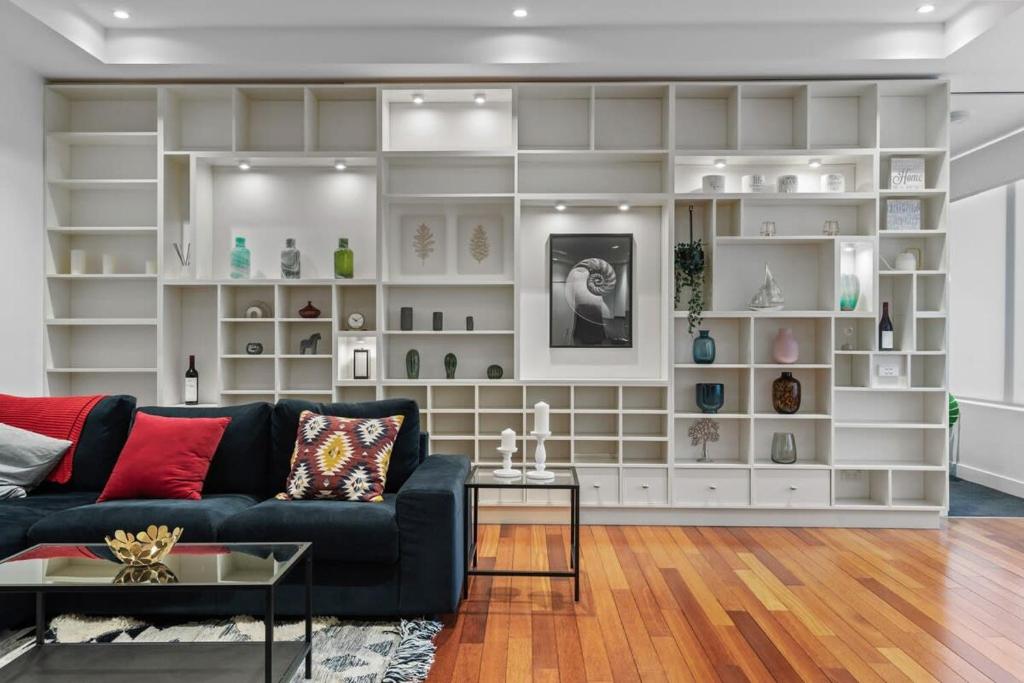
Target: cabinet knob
792,487
645,486
712,487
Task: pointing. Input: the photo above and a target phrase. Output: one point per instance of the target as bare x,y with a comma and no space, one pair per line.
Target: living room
572,341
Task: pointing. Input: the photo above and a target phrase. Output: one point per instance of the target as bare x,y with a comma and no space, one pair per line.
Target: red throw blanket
59,417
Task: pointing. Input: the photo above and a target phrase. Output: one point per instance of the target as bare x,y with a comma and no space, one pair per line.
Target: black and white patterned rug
343,651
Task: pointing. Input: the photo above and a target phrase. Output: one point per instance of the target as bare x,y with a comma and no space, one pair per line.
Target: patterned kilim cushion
341,458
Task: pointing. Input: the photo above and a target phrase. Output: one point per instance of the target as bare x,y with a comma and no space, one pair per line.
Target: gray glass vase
783,448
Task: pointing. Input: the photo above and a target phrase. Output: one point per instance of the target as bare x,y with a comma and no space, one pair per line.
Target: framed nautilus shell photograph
591,290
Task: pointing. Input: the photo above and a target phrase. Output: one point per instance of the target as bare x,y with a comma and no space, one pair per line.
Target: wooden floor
710,604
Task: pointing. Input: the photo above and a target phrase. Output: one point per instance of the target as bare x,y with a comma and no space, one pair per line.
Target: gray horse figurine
307,347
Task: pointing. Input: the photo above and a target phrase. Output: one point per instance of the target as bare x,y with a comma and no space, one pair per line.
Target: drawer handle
713,487
793,487
645,486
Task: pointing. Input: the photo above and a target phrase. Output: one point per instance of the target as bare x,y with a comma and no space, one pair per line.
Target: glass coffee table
482,477
56,568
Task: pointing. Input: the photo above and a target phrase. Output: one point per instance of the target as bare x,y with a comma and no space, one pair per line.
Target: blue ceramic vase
710,397
704,348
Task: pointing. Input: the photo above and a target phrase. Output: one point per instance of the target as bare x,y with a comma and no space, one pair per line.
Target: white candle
540,417
508,439
109,264
77,262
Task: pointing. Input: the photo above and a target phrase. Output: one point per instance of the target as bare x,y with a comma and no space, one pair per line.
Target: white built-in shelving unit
129,166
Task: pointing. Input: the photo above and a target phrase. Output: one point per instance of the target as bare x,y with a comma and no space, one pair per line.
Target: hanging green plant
689,263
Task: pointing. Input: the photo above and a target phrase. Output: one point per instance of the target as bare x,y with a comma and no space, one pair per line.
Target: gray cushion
25,459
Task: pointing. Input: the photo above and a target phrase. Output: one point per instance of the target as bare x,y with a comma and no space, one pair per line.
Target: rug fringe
415,653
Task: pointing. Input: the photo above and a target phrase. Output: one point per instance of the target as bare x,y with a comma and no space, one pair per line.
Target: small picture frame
903,215
906,173
361,364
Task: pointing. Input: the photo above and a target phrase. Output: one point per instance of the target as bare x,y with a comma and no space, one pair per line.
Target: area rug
343,651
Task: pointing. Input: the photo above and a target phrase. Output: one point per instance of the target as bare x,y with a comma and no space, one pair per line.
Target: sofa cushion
103,436
17,516
404,458
89,524
242,461
25,459
339,531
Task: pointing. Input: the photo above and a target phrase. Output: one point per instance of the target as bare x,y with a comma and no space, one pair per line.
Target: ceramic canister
755,182
833,182
788,183
713,183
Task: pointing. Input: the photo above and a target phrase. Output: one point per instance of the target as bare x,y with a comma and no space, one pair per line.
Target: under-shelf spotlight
814,163
520,13
417,98
560,206
339,165
244,165
480,98
122,14
721,163
624,206
926,8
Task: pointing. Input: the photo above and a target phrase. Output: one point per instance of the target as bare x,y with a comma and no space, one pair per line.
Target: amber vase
786,394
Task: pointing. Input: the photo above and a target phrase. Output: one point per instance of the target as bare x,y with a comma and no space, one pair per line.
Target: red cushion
165,457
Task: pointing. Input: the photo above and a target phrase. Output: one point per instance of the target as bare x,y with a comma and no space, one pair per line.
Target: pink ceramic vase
785,348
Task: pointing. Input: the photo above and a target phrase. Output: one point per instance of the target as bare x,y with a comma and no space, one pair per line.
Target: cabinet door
792,487
712,487
644,486
599,486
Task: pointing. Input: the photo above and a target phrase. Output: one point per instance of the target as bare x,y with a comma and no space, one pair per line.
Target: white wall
21,231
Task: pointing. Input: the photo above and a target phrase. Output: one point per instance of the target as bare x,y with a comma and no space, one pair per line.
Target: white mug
789,183
77,262
907,260
109,264
713,183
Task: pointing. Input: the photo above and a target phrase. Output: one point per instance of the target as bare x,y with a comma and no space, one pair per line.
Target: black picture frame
602,254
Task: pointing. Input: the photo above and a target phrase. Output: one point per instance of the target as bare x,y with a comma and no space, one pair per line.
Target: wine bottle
191,383
885,330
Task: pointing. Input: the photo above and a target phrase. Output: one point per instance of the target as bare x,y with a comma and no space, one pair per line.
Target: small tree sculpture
701,432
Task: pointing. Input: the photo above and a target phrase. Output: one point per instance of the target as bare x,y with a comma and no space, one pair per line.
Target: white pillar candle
508,439
109,264
77,262
541,410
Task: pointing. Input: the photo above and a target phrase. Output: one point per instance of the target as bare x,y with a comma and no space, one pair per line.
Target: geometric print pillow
341,458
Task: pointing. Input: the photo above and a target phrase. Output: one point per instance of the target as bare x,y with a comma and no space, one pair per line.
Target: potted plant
689,266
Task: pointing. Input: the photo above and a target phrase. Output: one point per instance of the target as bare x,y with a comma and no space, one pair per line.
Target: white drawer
712,487
645,486
598,486
794,487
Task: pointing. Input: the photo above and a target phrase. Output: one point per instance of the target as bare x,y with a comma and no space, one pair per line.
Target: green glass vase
344,260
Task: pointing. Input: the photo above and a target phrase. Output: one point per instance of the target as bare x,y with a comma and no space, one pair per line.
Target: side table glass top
482,476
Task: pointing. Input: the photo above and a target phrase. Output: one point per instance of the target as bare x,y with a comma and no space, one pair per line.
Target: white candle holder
506,471
540,456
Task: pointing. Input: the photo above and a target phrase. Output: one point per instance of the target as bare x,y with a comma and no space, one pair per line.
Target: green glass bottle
343,259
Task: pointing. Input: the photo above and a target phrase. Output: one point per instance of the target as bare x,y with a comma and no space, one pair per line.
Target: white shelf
130,277
104,139
104,183
125,371
94,322
108,230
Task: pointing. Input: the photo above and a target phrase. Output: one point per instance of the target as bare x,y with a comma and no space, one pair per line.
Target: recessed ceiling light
520,13
480,98
720,163
926,8
122,14
560,206
624,206
339,165
814,163
244,165
417,99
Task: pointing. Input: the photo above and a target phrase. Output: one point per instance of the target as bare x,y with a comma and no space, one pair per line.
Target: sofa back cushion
405,457
103,436
242,461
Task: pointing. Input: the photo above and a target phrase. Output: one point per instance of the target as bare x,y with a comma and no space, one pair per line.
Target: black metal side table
483,478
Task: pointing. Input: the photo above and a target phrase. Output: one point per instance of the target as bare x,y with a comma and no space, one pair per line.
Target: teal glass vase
241,260
704,348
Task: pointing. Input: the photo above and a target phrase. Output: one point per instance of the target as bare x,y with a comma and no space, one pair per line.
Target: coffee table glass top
482,476
189,564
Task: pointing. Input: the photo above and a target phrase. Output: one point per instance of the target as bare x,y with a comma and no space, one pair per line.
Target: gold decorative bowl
146,548
154,573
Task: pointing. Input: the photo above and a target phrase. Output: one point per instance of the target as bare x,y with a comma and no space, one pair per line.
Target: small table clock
356,321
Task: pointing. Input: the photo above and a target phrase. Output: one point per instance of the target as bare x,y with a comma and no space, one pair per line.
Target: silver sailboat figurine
768,297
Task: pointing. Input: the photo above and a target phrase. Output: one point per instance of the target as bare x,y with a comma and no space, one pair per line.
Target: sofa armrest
431,540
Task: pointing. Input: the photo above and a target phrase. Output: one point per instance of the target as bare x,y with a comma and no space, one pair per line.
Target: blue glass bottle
704,348
240,260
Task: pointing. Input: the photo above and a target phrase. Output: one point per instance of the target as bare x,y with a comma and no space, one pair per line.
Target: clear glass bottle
344,260
240,260
291,265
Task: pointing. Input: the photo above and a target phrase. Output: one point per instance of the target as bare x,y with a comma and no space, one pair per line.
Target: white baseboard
999,482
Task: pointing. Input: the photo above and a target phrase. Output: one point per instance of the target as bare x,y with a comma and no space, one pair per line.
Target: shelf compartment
640,452
595,451
897,289
857,169
559,424
732,447
554,117
813,440
707,116
198,118
347,346
500,398
291,335
856,257
140,385
189,327
931,246
813,335
68,160
843,115
557,397
360,299
630,116
773,116
341,119
807,218
269,119
131,254
900,407
928,371
492,424
736,381
934,212
414,393
254,375
452,424
888,371
74,348
913,114
453,446
806,274
113,207
889,446
861,488
595,424
357,394
447,120
452,398
853,371
92,109
919,489
101,300
444,175
931,334
595,398
815,389
731,335
855,335
644,398
236,336
931,293
643,425
236,299
936,170
306,374
598,172
291,299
